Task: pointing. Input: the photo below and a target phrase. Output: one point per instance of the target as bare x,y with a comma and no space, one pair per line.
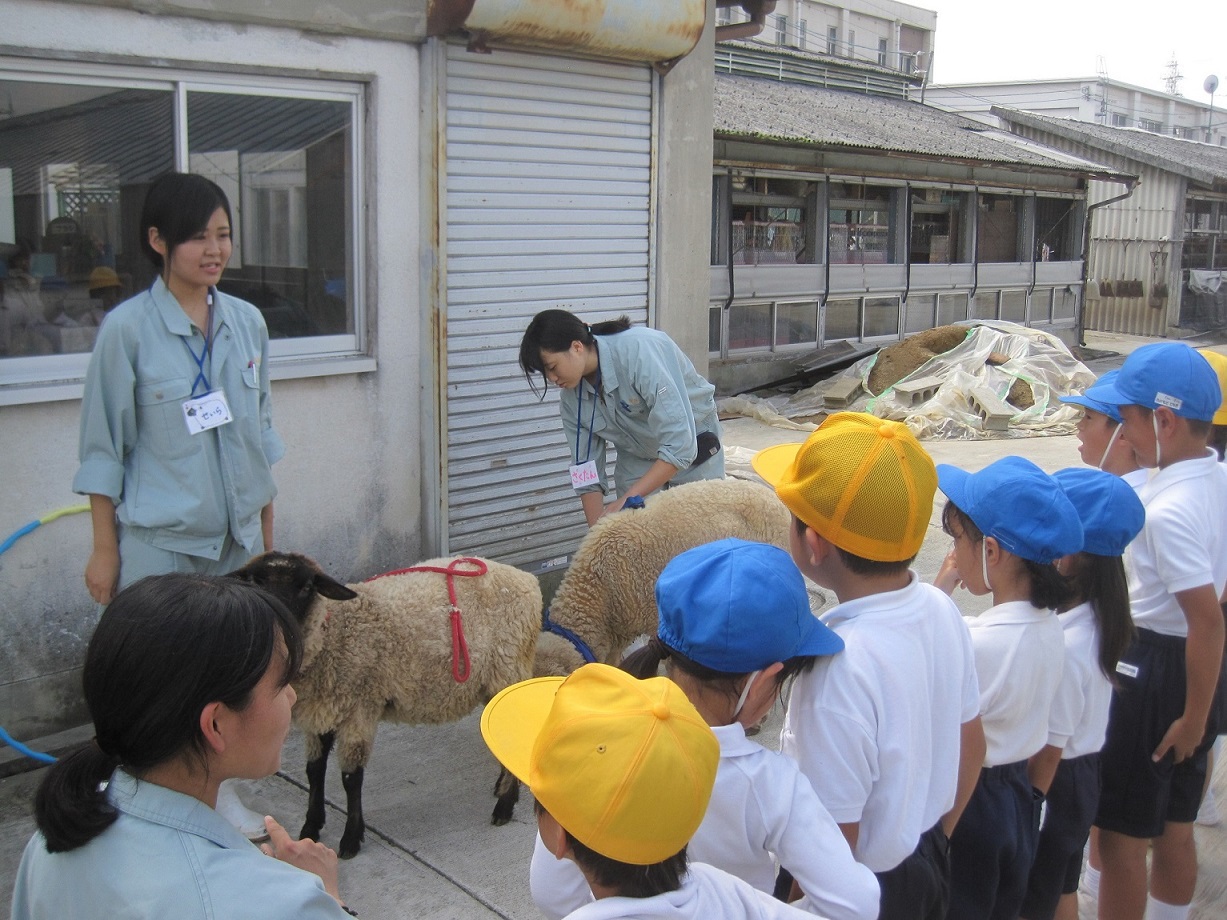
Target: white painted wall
349,484
1085,99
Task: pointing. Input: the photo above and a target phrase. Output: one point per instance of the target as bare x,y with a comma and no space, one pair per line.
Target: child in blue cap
1161,721
735,624
1099,441
1098,629
1010,523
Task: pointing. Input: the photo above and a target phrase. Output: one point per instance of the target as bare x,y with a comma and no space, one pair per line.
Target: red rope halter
460,648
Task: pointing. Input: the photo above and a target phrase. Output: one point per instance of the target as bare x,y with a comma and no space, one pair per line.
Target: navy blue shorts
1140,796
993,845
919,887
1072,800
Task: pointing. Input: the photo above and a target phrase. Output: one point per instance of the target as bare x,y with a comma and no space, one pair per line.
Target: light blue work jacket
651,406
179,491
167,855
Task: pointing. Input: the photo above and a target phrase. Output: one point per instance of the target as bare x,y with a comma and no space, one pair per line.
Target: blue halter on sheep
384,650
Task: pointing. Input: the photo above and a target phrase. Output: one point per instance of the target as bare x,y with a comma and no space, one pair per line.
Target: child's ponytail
645,662
1101,581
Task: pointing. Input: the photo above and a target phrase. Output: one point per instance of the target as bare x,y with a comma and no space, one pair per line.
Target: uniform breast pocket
633,407
160,426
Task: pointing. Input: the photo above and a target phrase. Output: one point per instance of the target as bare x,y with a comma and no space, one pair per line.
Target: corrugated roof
1204,163
811,116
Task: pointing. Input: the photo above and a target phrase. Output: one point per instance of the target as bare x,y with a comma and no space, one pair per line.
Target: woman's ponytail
71,806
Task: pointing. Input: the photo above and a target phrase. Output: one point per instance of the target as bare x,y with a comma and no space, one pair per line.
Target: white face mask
745,692
1111,443
1154,423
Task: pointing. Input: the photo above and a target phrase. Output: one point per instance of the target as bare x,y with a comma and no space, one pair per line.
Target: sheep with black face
383,650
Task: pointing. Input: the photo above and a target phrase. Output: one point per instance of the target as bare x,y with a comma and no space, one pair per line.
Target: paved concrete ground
431,851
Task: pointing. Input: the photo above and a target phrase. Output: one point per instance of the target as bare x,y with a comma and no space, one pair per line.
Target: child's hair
554,331
1101,581
859,565
628,880
1198,427
646,661
1218,439
164,648
179,205
1049,588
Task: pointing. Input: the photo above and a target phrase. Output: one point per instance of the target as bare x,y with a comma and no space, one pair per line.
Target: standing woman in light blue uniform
177,439
631,387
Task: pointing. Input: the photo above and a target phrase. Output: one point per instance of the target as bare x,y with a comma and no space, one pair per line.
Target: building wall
1087,99
684,200
1134,253
860,25
349,484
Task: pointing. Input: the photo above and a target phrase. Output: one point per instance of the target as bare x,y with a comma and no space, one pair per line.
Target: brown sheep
382,650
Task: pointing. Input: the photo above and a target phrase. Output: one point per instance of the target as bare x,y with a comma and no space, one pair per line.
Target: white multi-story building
894,35
1096,100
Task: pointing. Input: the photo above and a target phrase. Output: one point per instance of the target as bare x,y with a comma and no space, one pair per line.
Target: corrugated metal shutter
549,167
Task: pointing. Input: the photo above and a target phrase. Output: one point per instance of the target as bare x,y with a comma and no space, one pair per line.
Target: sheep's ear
332,589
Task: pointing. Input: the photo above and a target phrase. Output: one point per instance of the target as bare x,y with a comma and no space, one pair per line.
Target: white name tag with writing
584,474
205,412
1129,670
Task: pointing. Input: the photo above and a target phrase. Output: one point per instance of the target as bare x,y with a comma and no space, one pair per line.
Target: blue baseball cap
1017,504
1087,398
1110,511
737,607
1167,374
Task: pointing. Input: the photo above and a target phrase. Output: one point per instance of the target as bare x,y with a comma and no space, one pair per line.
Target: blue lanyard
206,352
591,418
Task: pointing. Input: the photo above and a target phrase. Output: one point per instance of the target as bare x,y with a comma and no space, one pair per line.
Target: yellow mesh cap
625,765
863,483
1219,363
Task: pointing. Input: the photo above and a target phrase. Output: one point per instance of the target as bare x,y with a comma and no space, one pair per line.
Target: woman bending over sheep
631,387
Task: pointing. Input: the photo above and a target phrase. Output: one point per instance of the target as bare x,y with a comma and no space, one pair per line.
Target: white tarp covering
1036,357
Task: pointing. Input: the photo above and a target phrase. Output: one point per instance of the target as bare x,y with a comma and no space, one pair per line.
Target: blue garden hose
8,542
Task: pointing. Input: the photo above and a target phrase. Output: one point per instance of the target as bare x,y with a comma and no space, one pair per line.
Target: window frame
43,378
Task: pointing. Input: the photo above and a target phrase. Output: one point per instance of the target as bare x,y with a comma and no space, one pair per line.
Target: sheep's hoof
502,812
349,847
310,831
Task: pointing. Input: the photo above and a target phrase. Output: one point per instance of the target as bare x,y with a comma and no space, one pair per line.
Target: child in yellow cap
622,771
889,730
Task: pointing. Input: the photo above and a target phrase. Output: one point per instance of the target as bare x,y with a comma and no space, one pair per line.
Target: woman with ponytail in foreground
187,681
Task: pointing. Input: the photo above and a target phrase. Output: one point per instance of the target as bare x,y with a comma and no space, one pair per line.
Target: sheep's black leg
507,788
317,768
355,824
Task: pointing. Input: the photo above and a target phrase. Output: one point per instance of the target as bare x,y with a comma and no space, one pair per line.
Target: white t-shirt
876,728
761,805
1183,543
706,894
1078,719
1020,656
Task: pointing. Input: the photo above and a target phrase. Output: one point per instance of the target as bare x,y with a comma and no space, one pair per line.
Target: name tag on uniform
1129,670
584,474
205,412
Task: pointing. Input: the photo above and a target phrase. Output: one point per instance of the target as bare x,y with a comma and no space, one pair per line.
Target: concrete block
994,412
841,392
921,389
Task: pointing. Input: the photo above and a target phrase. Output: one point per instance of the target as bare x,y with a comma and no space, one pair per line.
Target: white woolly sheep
607,598
382,650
